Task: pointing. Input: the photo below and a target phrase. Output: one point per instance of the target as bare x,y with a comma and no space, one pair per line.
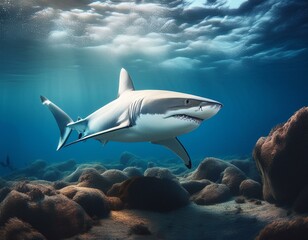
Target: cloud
180,63
176,32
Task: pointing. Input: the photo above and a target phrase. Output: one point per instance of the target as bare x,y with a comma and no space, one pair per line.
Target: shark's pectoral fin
125,124
176,146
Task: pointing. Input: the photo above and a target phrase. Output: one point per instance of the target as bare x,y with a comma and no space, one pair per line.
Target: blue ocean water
72,53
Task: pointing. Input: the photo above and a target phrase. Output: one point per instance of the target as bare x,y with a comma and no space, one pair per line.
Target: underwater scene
153,119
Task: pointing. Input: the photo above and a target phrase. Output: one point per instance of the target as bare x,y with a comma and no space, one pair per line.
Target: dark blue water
72,54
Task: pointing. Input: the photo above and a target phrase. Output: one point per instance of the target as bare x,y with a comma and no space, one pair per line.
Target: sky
250,55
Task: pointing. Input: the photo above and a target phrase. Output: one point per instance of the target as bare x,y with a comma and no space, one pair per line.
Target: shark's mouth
185,117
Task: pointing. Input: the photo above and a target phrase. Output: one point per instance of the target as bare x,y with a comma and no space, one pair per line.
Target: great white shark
154,116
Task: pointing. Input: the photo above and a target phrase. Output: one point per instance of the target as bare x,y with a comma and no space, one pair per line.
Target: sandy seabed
228,220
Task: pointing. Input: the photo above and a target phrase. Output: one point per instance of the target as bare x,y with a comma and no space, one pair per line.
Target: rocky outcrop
151,193
282,159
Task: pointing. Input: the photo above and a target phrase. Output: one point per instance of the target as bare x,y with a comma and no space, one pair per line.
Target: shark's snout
212,104
207,109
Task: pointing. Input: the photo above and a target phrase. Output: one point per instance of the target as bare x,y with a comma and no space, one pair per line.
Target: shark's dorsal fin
125,82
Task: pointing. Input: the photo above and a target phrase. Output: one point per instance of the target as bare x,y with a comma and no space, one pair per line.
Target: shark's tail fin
62,120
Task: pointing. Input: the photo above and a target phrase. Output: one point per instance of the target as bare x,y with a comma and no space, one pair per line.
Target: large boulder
151,193
194,186
212,194
91,178
282,159
114,176
16,229
285,230
55,216
211,169
92,200
159,172
232,177
251,189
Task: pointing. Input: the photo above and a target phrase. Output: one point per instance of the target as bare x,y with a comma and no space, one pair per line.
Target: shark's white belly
152,128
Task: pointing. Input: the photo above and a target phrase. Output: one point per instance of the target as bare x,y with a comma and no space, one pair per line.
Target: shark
155,116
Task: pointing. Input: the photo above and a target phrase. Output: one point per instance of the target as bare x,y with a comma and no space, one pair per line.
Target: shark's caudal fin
125,82
62,120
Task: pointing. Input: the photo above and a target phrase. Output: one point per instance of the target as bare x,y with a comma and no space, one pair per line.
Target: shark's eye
187,101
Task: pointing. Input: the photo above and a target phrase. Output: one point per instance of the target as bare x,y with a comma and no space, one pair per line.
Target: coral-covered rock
54,216
211,169
212,194
232,177
151,193
93,201
159,172
194,186
285,230
251,189
16,229
282,159
114,176
92,179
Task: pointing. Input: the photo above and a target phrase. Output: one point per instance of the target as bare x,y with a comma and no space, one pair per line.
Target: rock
178,170
248,166
243,164
211,169
240,200
212,194
232,177
92,179
60,184
282,159
34,171
16,229
52,175
93,201
69,165
251,189
74,176
54,216
35,167
151,165
151,193
300,204
3,183
126,158
132,172
285,230
4,192
130,160
115,203
159,172
139,229
194,186
28,187
114,176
